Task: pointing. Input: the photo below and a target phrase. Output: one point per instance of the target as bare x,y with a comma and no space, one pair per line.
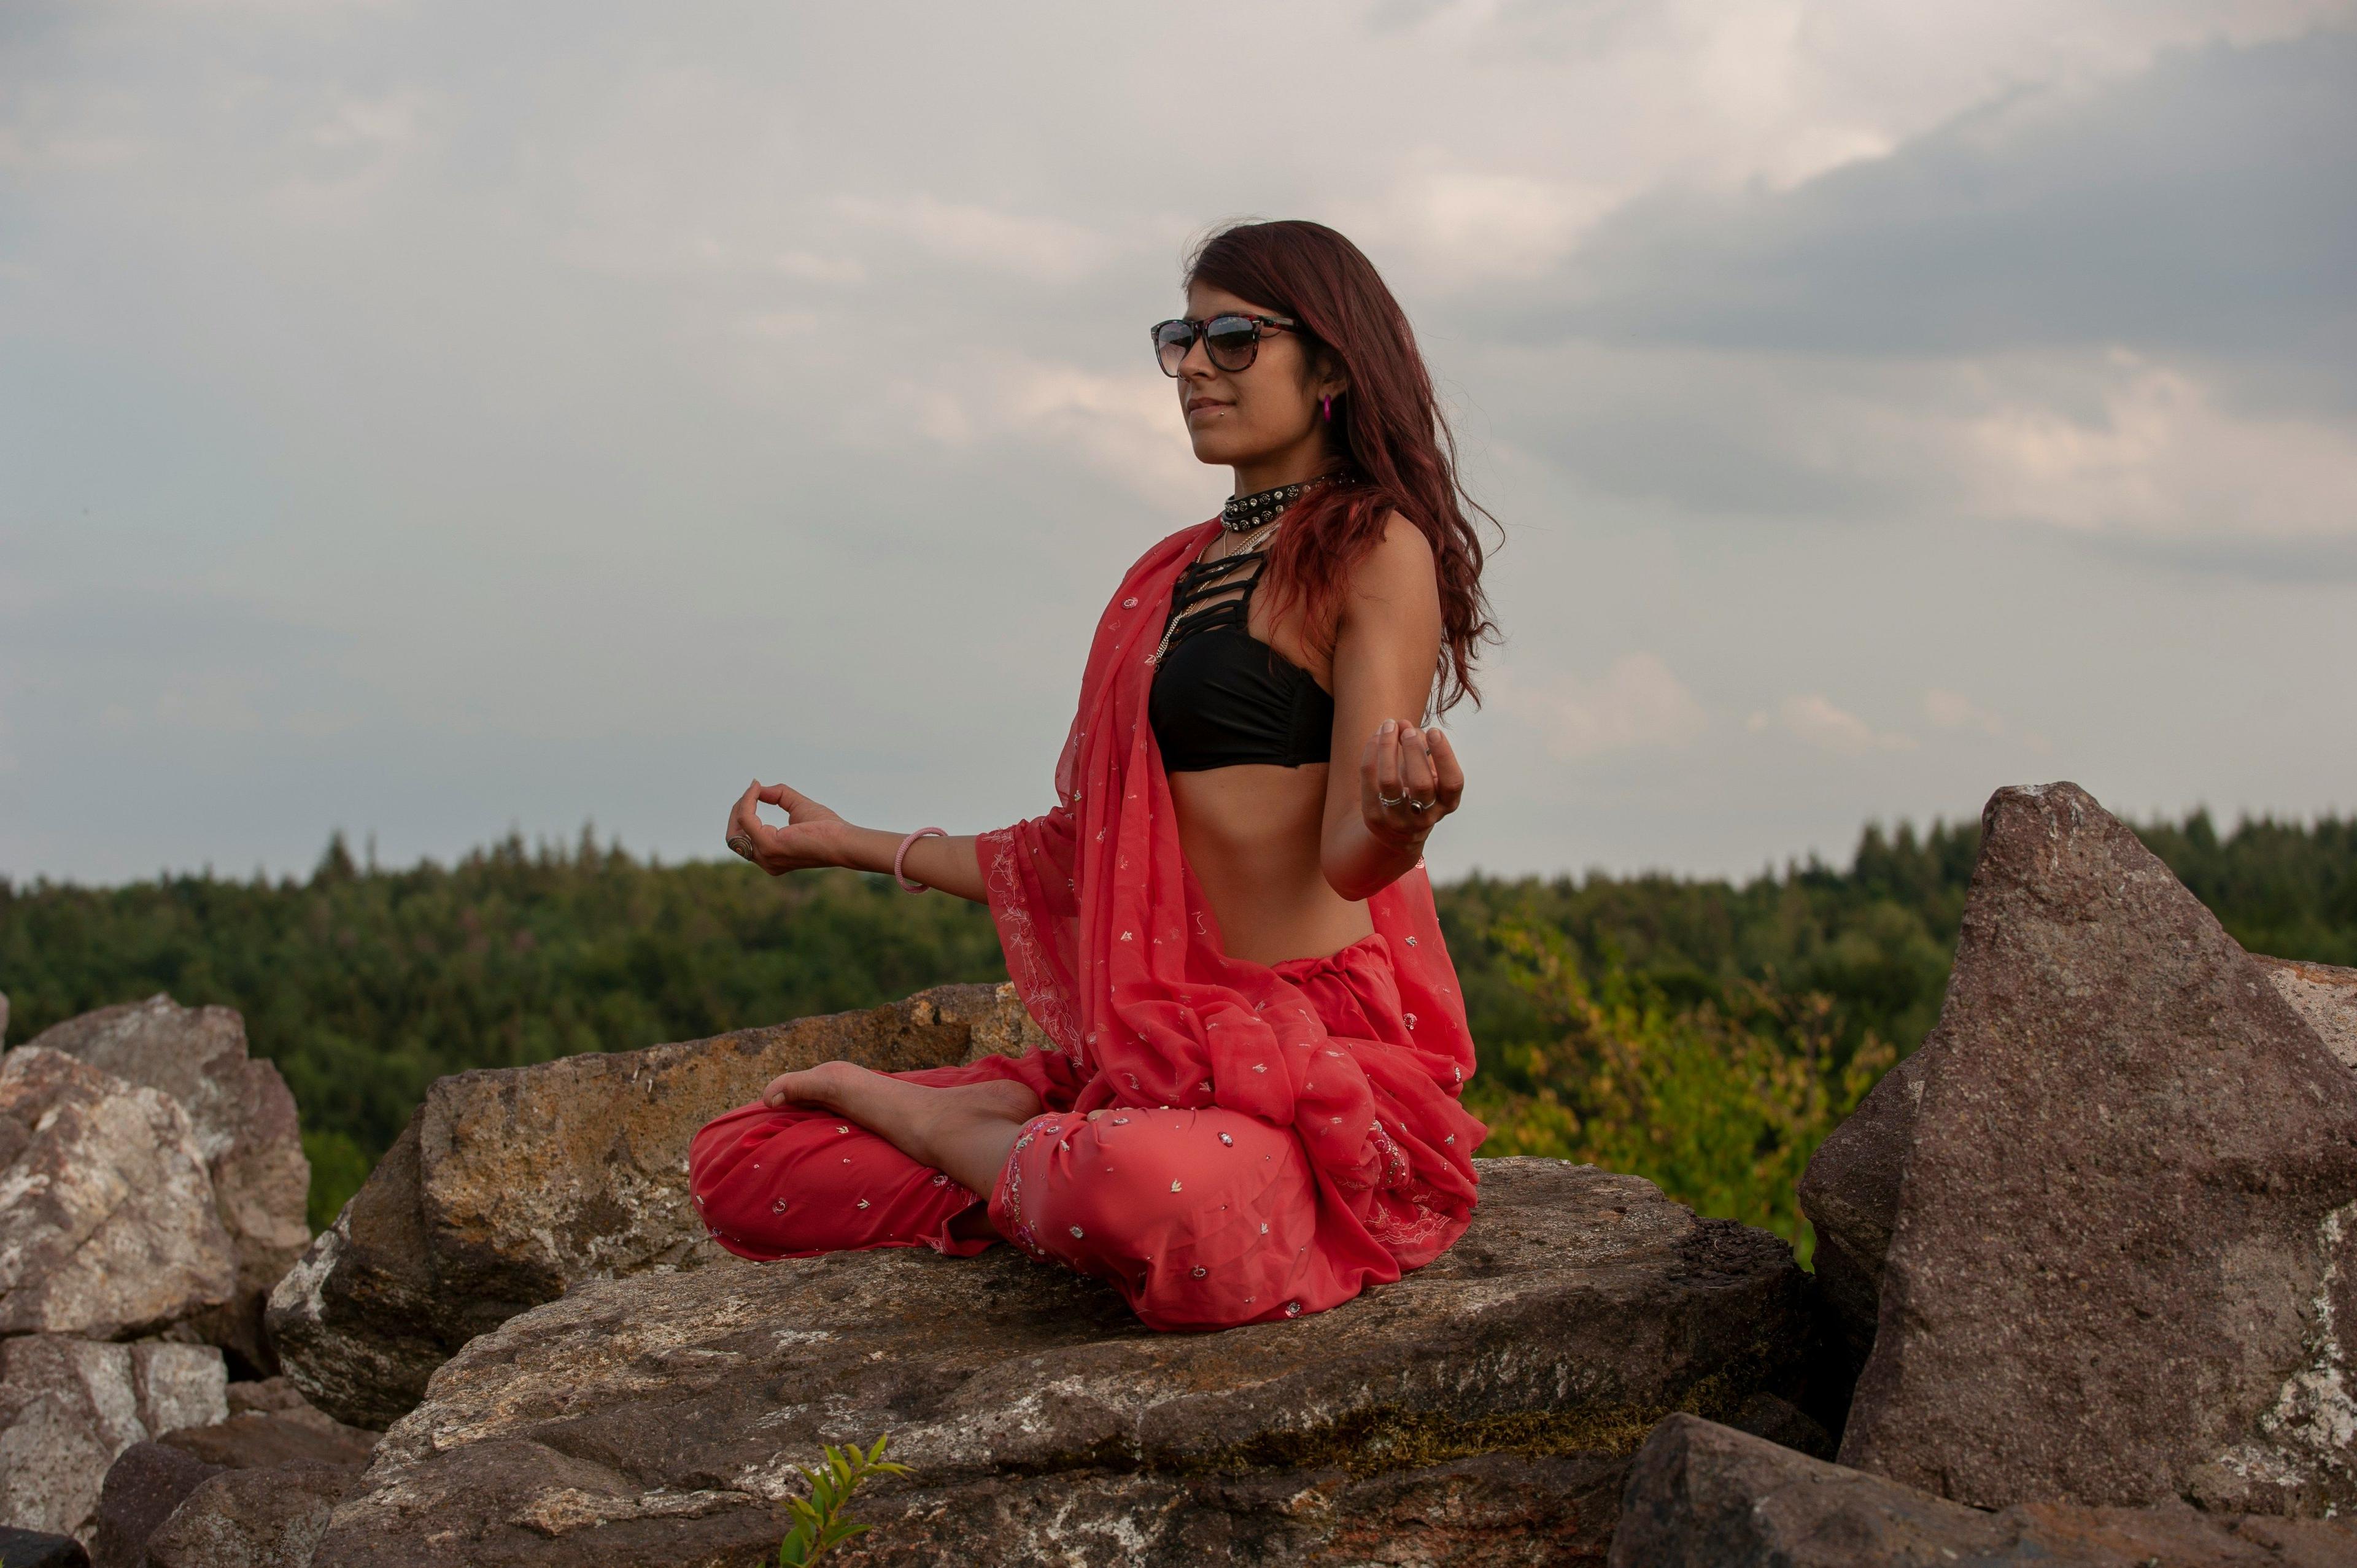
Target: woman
1250,1107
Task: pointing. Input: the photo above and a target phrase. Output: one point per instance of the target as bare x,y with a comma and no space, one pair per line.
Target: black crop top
1221,696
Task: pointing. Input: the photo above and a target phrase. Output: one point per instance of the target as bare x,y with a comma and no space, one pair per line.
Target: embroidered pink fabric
1118,957
1279,1136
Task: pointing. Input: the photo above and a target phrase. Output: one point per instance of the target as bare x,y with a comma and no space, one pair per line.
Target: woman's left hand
1408,780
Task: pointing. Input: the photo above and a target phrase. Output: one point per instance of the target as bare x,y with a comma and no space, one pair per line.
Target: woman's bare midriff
1251,834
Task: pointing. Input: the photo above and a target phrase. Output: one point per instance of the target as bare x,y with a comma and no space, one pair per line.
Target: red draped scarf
1117,955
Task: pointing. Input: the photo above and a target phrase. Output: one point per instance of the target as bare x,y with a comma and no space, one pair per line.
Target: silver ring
1389,799
741,842
1422,805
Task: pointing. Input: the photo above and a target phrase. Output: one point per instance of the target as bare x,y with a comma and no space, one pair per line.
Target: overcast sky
423,419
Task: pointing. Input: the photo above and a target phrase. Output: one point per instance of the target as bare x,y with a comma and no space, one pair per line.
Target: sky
428,420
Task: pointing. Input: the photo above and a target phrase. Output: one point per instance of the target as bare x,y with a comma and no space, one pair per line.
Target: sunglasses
1233,342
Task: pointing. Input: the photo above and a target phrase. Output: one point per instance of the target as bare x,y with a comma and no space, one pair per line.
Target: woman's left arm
1386,657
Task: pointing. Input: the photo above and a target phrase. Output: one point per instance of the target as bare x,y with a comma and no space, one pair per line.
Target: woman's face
1246,418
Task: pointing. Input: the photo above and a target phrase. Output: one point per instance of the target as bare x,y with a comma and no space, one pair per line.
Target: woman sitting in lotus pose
1249,1109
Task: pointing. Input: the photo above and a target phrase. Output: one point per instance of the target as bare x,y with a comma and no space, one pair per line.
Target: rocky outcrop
107,1226
244,1123
1482,1410
68,1407
2124,1261
1701,1496
511,1185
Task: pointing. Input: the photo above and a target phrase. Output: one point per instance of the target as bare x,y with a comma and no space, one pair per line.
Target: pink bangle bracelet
907,885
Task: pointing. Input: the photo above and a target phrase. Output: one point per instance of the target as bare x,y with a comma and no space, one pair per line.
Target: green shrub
1719,1101
819,1523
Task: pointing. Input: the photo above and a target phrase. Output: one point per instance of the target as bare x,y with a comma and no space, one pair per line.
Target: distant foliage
1719,1102
1667,995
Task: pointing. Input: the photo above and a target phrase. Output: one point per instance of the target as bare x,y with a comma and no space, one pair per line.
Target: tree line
1704,1032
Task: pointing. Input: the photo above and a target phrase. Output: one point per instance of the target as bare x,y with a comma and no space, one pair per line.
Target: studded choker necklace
1241,514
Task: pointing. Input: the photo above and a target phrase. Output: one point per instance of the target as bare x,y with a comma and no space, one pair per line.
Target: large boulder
107,1229
1850,1191
244,1118
511,1185
1701,1496
2124,1261
68,1407
1482,1410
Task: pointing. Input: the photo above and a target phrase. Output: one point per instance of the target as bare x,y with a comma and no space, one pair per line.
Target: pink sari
1116,954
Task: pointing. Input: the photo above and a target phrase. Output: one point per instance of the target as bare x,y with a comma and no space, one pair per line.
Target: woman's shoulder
1399,561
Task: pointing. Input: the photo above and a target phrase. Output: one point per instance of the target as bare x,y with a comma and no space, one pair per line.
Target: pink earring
1327,404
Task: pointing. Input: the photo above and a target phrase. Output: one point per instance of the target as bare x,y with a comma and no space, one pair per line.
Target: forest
1704,1033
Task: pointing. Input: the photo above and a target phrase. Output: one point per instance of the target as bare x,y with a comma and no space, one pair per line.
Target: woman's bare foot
963,1129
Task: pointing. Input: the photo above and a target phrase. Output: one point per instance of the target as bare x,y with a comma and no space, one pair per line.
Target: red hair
1388,424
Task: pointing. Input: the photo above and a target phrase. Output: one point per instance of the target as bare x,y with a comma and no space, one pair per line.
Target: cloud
1815,719
1041,250
1638,704
1953,710
2208,203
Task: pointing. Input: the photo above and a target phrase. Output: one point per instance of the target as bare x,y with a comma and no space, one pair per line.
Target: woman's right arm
815,836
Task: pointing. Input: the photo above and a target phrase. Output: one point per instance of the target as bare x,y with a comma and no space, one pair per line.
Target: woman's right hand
811,837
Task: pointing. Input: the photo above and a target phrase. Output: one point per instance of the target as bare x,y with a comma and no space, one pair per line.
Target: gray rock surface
254,1518
244,1123
68,1407
1481,1410
511,1185
107,1225
2123,1265
1701,1496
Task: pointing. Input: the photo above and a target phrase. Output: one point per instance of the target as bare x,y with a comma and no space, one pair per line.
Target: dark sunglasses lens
1232,340
1171,341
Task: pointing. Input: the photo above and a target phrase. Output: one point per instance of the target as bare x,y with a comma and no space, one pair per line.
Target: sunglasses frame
1262,326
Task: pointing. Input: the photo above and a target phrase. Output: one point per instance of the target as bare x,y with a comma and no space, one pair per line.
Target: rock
1482,1410
511,1185
245,1125
69,1406
2325,995
265,1395
107,1226
38,1548
263,1439
253,1518
1850,1192
146,1482
2124,1266
150,1480
1702,1495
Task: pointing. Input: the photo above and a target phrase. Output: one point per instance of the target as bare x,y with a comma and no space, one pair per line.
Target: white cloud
1042,250
1637,704
1814,718
2162,458
1953,710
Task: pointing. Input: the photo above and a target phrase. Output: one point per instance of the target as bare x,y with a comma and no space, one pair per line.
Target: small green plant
818,1519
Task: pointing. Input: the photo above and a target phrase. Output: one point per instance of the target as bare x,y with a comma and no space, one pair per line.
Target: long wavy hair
1388,425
